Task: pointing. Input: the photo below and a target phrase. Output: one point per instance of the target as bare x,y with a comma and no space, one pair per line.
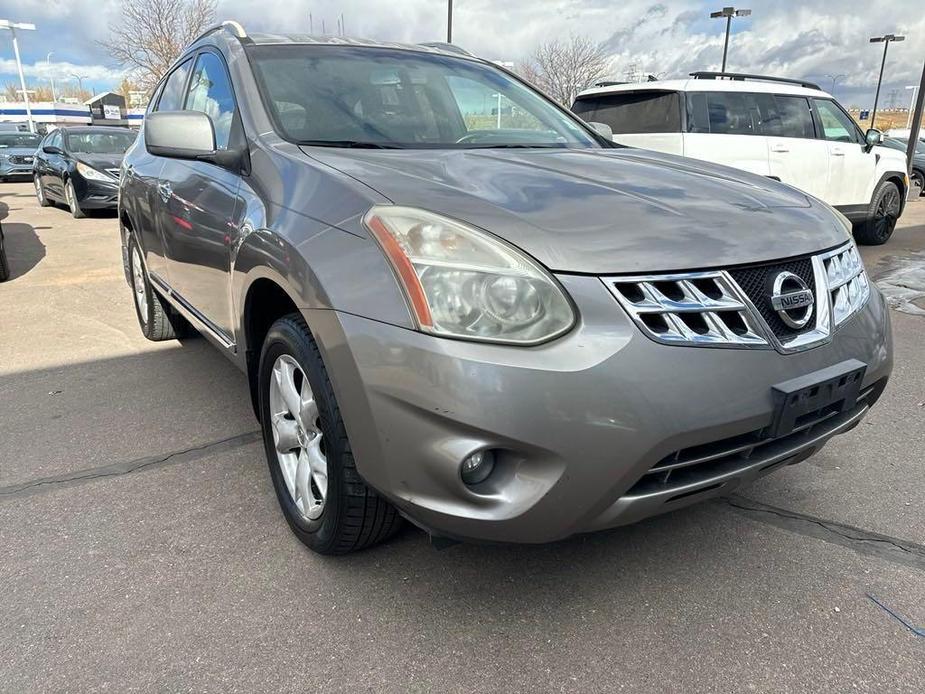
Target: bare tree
150,34
564,68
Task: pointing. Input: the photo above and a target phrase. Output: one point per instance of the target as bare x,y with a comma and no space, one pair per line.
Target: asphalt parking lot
141,548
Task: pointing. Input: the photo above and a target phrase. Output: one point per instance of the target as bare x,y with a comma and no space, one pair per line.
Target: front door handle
165,191
779,148
838,152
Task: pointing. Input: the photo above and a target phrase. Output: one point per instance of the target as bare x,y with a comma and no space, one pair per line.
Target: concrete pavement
141,548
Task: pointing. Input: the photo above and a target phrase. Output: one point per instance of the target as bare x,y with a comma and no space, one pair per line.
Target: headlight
463,282
92,174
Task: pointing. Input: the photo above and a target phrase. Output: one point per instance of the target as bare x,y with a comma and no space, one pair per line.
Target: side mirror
602,129
872,138
51,149
180,135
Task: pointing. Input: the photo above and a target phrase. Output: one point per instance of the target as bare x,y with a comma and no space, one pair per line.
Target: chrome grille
847,281
21,159
700,308
732,308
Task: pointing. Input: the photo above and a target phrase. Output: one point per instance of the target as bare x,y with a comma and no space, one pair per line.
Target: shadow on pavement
24,249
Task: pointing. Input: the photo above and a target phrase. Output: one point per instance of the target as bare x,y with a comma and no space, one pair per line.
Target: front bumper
9,169
93,195
579,422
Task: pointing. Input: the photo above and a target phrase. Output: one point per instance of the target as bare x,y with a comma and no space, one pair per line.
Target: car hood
100,161
18,151
602,211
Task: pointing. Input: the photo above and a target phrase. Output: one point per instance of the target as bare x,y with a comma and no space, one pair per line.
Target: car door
55,164
199,207
851,166
723,127
795,155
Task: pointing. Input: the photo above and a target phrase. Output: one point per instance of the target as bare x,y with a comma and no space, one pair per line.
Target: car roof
708,85
313,40
92,128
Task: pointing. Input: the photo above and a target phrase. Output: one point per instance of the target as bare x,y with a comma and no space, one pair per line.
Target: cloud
62,71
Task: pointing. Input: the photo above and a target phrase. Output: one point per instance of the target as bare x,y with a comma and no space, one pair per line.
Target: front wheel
73,203
324,500
917,183
882,216
40,192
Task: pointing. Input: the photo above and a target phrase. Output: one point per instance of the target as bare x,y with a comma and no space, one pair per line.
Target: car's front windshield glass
115,142
24,140
351,96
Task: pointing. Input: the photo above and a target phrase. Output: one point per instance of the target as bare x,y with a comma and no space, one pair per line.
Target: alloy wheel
138,285
299,442
39,191
887,212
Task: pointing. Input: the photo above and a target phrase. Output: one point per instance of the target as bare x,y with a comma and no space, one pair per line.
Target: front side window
210,93
384,97
836,124
115,142
172,93
631,113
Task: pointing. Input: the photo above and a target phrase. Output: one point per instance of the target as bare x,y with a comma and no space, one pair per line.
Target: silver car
456,303
17,152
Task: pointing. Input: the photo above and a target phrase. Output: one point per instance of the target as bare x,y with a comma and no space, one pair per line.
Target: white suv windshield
383,97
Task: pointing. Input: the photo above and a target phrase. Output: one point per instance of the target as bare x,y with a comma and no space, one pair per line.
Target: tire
73,204
882,215
347,515
40,192
4,265
917,180
157,319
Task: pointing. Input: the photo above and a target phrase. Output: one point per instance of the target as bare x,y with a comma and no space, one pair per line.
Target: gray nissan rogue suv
457,304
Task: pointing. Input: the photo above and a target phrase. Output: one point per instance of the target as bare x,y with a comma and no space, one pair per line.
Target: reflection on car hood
100,161
602,211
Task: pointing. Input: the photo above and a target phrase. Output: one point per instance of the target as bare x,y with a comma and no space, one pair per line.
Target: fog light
477,467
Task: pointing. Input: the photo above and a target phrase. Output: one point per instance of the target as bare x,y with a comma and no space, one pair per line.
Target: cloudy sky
795,38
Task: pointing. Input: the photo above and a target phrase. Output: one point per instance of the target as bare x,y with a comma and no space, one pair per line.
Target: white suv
784,129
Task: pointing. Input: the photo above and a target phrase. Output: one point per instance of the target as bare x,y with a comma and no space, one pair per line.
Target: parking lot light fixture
728,13
885,40
23,26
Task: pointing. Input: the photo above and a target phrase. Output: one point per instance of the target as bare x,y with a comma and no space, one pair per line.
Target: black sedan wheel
917,182
72,203
40,192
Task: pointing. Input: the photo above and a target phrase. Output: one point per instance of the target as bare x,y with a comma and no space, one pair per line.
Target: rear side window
836,124
722,113
210,93
172,93
631,113
785,116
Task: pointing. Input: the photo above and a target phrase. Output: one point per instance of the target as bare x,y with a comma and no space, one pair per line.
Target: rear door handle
779,148
838,152
165,190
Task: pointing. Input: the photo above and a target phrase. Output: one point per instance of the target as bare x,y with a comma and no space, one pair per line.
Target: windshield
115,142
25,140
349,96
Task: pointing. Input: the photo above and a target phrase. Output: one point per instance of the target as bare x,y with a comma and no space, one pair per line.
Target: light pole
13,26
51,76
915,90
80,82
449,21
835,79
728,13
499,95
885,40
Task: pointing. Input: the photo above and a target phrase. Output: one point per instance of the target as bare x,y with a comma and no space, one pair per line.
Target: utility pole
728,13
885,40
13,26
916,127
449,21
835,79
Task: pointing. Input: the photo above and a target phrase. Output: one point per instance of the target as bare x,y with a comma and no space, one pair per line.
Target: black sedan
79,167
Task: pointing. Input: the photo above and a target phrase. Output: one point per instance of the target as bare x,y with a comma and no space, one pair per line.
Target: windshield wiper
350,144
517,145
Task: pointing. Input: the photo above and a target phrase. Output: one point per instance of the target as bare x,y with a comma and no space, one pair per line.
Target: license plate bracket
806,398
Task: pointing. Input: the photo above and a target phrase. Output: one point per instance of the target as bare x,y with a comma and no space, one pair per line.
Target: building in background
47,115
108,108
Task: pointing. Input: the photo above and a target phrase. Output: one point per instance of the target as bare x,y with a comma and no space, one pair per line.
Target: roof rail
233,27
608,83
448,47
703,75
